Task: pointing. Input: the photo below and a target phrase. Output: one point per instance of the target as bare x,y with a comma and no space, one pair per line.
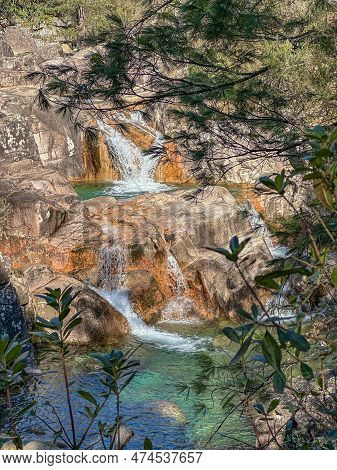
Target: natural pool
163,413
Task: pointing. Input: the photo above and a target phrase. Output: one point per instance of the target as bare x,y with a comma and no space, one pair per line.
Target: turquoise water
163,414
159,411
87,190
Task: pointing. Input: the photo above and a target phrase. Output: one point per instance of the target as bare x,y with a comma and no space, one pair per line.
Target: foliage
117,367
272,353
244,78
65,14
12,362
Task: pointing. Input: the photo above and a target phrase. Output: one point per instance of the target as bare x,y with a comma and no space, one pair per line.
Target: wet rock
12,318
182,224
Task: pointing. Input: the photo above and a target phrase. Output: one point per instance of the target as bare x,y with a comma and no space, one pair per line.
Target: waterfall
276,304
113,264
120,300
259,225
177,274
136,167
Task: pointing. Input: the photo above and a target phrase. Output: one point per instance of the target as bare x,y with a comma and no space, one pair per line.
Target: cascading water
116,256
136,167
259,225
177,274
120,300
112,256
180,309
278,304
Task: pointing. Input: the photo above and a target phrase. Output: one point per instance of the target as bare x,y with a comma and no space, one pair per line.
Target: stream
168,354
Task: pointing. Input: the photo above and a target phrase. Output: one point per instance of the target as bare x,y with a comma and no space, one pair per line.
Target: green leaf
298,340
334,276
273,405
234,244
26,408
279,381
282,336
87,396
231,334
268,182
306,371
259,408
147,444
266,282
230,256
243,314
13,353
272,351
242,350
4,340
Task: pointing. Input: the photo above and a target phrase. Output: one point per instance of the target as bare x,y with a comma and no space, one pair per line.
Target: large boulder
28,132
166,237
20,53
100,321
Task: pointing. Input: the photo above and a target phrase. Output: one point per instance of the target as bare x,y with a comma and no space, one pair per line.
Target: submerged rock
168,409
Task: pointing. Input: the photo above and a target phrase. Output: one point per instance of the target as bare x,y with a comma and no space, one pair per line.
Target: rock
99,205
66,49
181,224
44,445
145,295
173,168
27,132
12,318
33,216
19,40
100,321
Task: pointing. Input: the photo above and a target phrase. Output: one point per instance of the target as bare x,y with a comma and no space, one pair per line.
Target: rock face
27,132
166,237
20,53
12,318
51,242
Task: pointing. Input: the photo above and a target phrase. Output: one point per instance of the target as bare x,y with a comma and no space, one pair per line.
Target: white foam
136,167
120,300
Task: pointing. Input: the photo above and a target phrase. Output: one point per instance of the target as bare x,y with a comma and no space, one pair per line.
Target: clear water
163,413
117,189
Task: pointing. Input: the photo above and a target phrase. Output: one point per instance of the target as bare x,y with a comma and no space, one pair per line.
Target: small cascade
113,264
120,300
136,167
258,224
180,309
177,274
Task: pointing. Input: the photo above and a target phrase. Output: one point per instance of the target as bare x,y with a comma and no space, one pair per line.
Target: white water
277,305
113,262
177,274
120,300
136,167
258,224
